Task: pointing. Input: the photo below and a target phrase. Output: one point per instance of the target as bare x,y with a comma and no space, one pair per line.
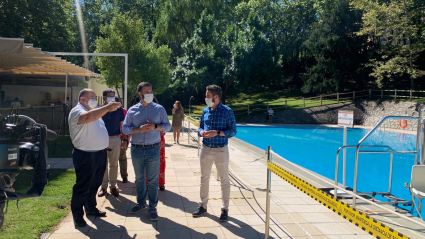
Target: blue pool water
315,148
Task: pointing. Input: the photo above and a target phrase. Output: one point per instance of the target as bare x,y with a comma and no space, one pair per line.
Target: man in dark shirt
113,122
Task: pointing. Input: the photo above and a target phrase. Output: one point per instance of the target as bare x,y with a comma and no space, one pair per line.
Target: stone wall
366,113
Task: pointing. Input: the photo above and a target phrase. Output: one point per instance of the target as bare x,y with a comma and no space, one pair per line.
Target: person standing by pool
90,139
217,125
178,115
270,112
144,122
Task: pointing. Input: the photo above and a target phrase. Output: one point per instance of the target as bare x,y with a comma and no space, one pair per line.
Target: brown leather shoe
115,192
102,192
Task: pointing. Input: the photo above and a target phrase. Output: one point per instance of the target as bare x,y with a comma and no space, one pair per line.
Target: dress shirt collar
210,109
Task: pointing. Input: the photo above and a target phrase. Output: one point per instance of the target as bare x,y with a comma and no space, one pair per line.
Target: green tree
225,55
146,61
49,24
396,28
338,53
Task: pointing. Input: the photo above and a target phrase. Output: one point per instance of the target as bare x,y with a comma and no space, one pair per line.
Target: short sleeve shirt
113,120
92,136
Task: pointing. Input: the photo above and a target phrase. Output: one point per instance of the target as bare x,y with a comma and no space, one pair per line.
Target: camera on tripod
22,147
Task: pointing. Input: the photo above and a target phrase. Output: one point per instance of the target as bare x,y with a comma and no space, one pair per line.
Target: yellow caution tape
363,221
197,111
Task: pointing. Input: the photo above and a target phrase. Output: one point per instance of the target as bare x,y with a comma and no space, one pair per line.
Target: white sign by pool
345,118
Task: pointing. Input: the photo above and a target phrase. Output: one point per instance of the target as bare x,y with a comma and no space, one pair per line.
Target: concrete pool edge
401,225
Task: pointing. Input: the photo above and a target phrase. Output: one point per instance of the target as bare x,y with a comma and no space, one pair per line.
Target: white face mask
110,99
148,98
92,103
209,102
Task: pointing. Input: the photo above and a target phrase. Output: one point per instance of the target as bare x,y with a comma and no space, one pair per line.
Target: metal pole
356,166
354,95
395,94
411,95
303,102
336,175
267,229
189,104
125,80
267,106
321,100
418,138
391,173
66,86
370,93
337,97
286,104
344,162
188,131
422,139
382,94
248,109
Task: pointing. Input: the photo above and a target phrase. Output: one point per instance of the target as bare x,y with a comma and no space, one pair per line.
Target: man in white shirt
90,139
270,112
16,103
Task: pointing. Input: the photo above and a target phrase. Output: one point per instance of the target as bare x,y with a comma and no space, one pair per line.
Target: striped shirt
223,119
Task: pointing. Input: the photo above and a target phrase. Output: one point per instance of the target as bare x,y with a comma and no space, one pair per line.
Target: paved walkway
294,214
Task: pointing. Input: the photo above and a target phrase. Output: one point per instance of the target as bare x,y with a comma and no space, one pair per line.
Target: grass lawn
40,214
63,147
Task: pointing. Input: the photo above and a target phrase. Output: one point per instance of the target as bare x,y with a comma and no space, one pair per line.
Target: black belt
144,145
100,151
214,146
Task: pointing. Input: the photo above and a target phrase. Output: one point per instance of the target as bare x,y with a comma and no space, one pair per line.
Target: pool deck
294,214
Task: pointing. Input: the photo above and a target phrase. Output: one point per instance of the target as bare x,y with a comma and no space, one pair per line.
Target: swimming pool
315,148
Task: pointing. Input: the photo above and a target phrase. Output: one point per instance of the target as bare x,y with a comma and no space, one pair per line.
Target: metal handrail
356,163
391,151
189,130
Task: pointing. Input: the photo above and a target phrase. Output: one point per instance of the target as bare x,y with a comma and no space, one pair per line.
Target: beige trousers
111,172
219,156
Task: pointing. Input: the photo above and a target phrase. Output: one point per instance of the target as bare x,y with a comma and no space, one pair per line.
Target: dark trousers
89,169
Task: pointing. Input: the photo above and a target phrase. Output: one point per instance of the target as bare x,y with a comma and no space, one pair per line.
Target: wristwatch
218,132
156,126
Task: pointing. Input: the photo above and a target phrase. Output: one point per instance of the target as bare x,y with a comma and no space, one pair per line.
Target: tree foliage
397,26
315,45
146,62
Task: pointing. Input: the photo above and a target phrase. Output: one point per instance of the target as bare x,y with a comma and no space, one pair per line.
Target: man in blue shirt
216,126
144,122
113,121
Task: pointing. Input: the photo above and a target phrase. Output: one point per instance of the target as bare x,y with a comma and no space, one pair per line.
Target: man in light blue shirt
144,122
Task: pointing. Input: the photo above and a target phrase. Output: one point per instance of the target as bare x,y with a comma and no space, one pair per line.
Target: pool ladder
393,200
